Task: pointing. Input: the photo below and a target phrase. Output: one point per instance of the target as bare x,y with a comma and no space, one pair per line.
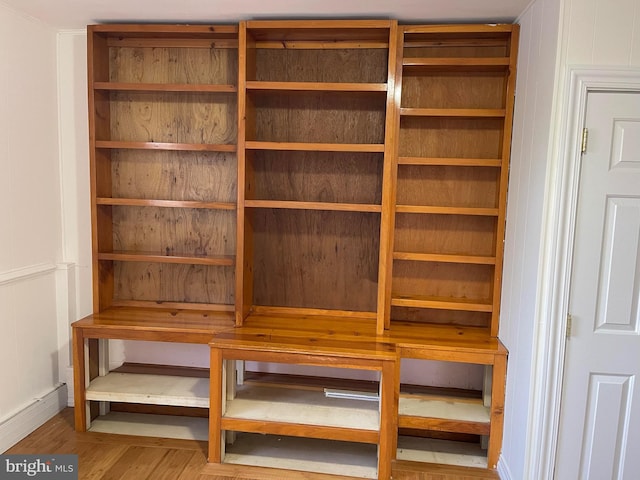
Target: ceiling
71,14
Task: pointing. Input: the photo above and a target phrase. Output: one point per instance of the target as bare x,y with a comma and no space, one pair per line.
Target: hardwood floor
113,457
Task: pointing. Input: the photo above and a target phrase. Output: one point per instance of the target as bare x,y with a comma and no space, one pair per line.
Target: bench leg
497,410
388,420
79,381
215,406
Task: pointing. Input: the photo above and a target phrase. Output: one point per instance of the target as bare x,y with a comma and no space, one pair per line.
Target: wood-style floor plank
123,457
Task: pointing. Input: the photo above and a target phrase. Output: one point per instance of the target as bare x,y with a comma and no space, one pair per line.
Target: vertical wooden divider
499,378
79,380
387,221
244,247
215,405
387,224
388,418
99,129
504,178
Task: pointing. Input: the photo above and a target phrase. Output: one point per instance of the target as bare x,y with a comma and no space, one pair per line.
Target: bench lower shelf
149,425
304,454
428,450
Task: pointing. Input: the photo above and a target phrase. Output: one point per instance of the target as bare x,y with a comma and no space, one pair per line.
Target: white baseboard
69,377
15,428
503,470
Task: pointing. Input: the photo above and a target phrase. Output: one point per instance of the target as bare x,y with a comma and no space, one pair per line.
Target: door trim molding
561,189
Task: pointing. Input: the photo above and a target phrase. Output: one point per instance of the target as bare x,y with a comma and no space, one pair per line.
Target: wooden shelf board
315,147
204,43
161,304
160,324
319,34
306,454
462,31
220,260
308,407
453,112
147,425
165,87
364,355
444,161
181,31
300,430
187,147
440,303
436,424
150,389
456,409
141,202
433,257
485,212
342,27
317,86
310,312
293,205
456,340
460,62
441,451
322,44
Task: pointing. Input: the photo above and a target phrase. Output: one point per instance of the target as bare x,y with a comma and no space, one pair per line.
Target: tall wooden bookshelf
313,145
163,142
451,172
317,192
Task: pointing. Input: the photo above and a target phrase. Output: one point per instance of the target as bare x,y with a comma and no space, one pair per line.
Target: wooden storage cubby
310,192
333,427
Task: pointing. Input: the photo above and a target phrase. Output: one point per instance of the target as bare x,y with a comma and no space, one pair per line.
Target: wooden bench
328,341
321,418
415,341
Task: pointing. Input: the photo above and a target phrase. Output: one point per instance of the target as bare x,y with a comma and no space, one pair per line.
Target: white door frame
555,270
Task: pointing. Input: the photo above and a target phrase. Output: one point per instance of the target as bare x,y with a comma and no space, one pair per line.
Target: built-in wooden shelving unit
312,192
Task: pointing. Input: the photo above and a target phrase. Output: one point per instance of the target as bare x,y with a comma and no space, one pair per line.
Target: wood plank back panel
340,65
451,89
316,177
157,282
450,137
174,175
441,317
173,117
326,117
447,186
316,259
174,231
447,234
173,65
454,280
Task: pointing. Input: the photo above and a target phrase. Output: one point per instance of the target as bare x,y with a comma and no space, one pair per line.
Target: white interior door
599,436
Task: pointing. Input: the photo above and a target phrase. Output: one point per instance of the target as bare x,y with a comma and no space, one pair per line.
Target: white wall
529,160
75,292
591,32
30,228
602,32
